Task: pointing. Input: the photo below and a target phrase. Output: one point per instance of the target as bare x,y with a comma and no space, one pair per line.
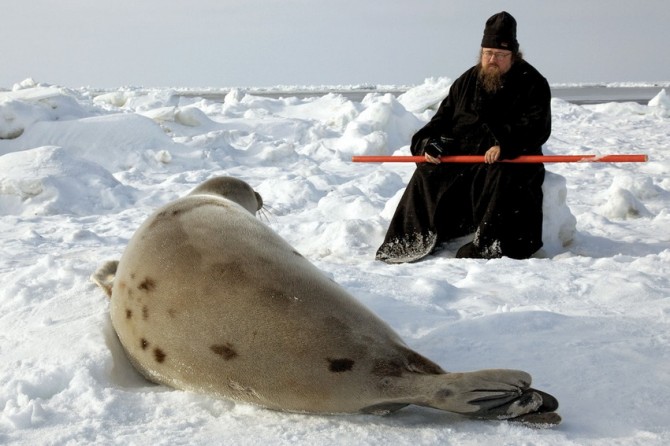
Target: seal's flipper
104,276
494,394
549,402
544,417
538,420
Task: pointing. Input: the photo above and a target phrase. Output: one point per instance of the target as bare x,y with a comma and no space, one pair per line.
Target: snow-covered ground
79,173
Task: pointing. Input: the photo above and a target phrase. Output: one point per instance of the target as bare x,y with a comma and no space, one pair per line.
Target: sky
262,43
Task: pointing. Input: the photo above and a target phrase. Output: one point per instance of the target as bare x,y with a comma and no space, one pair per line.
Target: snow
588,316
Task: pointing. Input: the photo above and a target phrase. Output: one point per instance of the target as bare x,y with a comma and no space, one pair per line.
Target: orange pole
520,159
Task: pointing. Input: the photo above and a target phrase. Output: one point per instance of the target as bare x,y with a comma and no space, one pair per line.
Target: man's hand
433,149
492,155
431,159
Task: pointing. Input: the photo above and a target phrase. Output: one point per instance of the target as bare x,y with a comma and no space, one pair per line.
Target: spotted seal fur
207,298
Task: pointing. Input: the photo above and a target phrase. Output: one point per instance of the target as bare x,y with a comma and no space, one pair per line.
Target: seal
207,298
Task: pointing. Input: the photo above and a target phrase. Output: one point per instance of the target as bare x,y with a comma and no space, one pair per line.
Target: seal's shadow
122,373
589,245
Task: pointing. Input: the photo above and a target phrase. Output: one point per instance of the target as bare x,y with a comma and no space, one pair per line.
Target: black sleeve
530,124
438,126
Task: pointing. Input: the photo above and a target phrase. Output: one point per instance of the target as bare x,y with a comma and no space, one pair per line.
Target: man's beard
490,78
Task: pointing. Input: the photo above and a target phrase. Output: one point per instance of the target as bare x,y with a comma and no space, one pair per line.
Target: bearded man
499,108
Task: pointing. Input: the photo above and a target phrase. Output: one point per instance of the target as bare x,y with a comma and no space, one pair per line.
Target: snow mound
48,181
660,100
427,95
625,198
558,223
383,126
19,109
116,142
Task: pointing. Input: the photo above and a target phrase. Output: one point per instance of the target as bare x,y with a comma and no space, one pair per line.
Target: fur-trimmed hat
500,32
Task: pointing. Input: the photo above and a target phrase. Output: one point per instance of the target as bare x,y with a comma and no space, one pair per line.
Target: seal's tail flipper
540,417
104,276
545,416
549,402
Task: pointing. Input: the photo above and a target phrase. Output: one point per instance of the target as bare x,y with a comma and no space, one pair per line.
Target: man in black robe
499,108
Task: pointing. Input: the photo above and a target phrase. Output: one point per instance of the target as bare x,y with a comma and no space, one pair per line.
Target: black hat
500,32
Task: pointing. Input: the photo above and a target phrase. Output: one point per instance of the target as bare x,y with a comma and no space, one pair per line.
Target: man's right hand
431,159
433,149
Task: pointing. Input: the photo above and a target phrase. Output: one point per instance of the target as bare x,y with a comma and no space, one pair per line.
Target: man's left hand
492,155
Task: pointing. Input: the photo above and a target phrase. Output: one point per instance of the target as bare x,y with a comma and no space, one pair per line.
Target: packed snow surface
588,316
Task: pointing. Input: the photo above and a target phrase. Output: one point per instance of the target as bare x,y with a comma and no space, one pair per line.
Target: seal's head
233,189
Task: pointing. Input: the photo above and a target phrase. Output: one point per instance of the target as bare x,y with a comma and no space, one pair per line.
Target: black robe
501,202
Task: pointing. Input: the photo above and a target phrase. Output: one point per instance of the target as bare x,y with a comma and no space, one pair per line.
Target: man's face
496,60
